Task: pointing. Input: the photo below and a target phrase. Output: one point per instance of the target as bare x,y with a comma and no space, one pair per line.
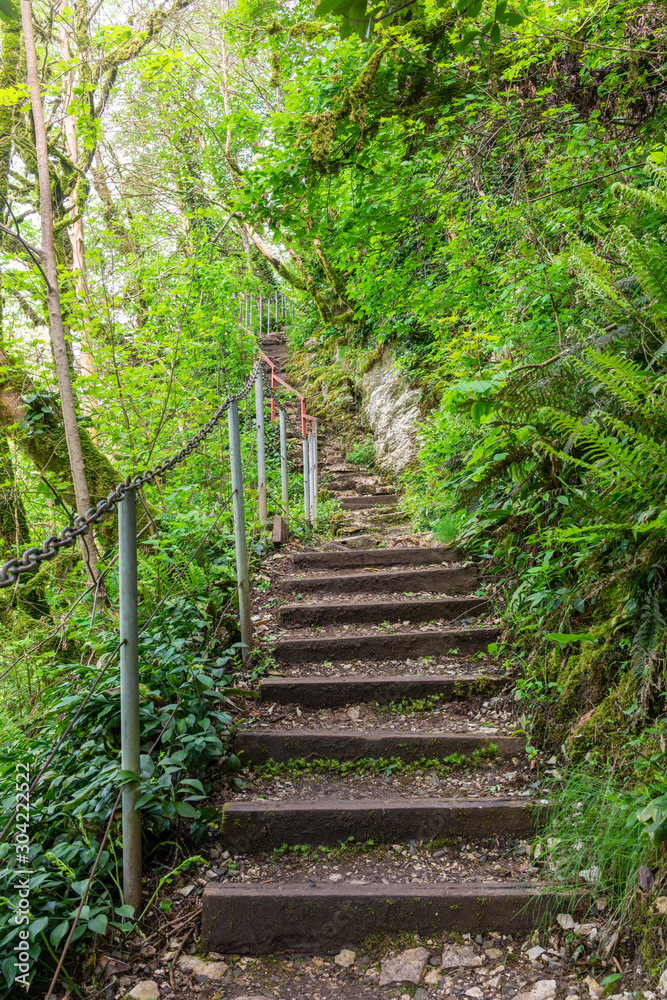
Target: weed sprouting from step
362,454
374,765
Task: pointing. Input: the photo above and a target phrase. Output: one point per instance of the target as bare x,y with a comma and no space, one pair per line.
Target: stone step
356,612
357,558
332,692
257,747
266,918
384,645
262,826
439,581
369,501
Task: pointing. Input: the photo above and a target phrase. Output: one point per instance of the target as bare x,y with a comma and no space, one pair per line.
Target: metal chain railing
124,499
34,556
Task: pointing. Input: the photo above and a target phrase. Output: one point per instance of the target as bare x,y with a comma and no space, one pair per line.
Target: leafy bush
187,662
362,454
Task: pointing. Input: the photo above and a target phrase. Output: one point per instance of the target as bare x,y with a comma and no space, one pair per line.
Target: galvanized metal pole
130,736
261,314
238,508
306,481
313,473
250,323
284,477
261,447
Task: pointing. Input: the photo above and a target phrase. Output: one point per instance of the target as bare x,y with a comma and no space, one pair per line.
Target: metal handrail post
261,447
240,544
284,476
313,473
306,481
130,729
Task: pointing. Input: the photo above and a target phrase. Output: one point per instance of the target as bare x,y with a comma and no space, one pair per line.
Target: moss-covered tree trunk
42,440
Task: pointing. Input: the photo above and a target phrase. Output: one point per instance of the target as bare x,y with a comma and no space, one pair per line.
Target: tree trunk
43,441
70,425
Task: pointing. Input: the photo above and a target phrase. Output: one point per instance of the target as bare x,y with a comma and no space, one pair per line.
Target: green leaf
9,965
475,8
98,925
565,638
143,799
186,810
8,12
125,910
513,18
495,34
58,933
332,7
233,763
37,926
467,39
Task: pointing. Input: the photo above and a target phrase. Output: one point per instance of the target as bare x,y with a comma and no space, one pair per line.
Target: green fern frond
593,271
648,260
623,378
654,197
650,630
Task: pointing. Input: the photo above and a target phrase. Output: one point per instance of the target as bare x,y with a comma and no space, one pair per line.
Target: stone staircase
376,737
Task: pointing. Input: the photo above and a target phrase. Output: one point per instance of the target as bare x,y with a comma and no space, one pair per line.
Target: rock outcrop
391,410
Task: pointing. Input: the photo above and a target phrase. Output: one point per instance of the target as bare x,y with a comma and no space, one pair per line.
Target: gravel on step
493,779
424,665
453,717
497,860
361,628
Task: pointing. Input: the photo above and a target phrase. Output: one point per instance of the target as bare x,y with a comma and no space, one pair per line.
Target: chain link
34,557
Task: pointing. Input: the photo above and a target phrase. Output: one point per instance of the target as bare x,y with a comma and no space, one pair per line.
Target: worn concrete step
375,612
440,581
332,692
358,558
384,645
260,825
267,918
369,501
344,744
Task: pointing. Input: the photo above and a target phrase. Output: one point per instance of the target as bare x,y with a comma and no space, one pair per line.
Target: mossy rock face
607,727
329,389
590,683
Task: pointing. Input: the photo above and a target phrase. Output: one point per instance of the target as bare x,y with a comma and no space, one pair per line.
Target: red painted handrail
276,378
